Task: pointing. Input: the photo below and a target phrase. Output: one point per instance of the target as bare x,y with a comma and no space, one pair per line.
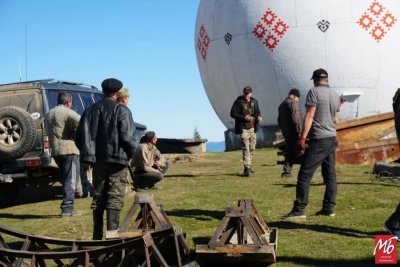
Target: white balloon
274,46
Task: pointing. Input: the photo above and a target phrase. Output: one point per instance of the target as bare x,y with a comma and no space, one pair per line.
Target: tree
196,134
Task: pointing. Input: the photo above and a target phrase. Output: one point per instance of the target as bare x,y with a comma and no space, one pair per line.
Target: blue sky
148,45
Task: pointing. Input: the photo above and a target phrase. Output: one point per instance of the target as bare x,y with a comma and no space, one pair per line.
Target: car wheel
17,132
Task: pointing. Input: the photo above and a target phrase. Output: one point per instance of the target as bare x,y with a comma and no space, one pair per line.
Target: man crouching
149,166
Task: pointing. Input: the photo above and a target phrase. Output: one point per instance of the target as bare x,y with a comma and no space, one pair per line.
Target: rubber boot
394,219
112,219
98,224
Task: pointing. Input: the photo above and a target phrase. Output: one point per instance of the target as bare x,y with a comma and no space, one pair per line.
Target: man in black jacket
247,117
290,120
105,138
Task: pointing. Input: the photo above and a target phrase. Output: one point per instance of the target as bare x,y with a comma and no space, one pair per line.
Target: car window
80,100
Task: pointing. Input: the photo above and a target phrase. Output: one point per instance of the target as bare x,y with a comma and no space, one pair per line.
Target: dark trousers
149,179
394,219
70,170
290,152
321,152
109,181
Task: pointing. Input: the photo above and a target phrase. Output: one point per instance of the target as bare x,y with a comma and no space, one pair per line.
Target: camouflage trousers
109,182
248,138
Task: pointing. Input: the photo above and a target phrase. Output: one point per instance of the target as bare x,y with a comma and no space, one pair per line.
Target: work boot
98,224
247,171
112,219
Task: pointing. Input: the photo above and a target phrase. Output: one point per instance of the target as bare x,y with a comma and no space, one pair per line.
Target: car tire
17,132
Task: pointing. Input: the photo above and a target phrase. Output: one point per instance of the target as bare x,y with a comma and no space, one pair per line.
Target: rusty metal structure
153,241
242,236
367,140
364,141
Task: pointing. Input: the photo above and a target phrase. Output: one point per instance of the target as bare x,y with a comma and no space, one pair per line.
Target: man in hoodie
247,117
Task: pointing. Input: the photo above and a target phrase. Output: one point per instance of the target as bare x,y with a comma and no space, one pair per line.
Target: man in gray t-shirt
322,112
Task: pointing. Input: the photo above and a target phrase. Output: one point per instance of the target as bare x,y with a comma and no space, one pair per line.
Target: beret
295,92
111,85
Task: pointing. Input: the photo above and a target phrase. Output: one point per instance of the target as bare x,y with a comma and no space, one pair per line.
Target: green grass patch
199,188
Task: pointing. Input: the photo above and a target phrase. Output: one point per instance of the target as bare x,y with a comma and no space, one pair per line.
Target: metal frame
243,236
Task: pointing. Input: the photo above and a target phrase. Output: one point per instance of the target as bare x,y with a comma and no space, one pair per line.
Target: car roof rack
51,80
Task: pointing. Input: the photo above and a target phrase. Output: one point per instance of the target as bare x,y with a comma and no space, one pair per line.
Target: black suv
24,146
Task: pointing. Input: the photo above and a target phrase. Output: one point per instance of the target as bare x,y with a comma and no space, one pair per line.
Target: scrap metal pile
148,240
154,241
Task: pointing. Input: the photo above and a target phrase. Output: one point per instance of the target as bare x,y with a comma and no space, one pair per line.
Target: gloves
300,146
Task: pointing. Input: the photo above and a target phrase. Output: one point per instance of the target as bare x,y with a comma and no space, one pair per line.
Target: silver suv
24,147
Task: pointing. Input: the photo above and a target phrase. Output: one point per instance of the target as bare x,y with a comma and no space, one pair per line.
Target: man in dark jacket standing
105,138
290,120
247,117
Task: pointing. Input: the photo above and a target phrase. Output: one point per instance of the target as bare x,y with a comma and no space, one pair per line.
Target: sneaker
286,175
70,214
294,215
252,171
391,230
157,187
325,212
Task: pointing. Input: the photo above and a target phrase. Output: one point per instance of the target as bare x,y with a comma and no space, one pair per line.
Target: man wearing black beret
105,138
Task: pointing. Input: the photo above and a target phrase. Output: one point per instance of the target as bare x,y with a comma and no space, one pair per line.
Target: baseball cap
319,74
247,90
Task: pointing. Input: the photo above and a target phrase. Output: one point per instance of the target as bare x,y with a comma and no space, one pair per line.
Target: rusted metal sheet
368,151
242,236
364,141
367,140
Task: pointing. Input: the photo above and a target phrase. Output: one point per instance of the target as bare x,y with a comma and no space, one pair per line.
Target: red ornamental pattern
270,29
377,20
203,42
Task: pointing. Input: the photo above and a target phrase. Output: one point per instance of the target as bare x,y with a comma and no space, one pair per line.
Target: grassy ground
199,188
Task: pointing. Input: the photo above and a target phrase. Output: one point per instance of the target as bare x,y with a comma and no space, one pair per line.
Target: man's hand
259,118
301,146
159,164
248,118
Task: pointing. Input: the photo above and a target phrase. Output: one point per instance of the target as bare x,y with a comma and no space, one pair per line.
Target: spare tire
17,132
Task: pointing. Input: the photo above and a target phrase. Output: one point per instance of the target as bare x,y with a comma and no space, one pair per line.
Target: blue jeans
70,169
321,152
